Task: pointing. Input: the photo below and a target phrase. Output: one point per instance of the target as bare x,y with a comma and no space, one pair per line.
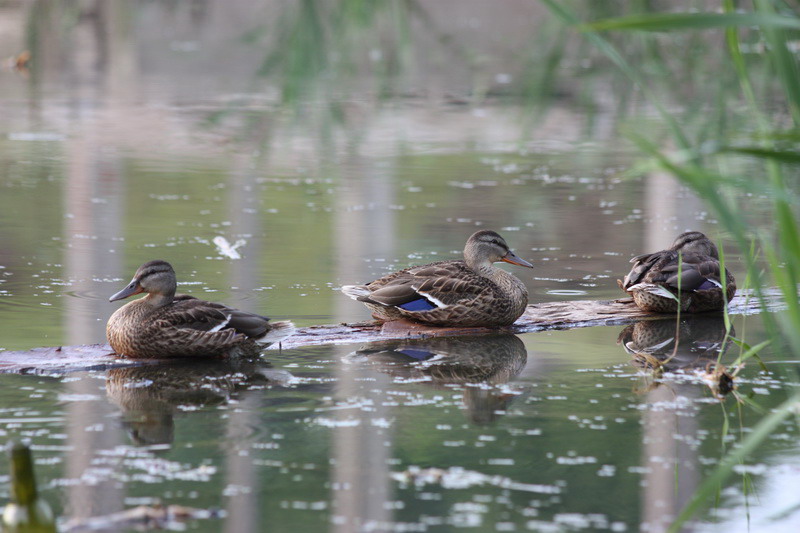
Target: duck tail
654,289
277,332
356,292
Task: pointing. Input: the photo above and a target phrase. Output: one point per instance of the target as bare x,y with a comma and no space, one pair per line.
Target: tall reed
705,165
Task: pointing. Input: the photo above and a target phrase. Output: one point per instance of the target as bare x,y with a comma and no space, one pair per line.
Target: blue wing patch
421,304
707,284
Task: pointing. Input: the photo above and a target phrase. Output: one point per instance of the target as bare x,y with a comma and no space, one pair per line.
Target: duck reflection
149,396
695,345
445,361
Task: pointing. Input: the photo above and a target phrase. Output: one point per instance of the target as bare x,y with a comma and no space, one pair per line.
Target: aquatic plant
27,512
707,164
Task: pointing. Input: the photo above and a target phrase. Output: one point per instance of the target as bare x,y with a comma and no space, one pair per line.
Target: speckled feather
471,299
165,326
468,293
660,270
181,329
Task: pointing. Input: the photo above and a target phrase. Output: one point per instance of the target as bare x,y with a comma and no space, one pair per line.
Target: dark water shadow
151,396
481,364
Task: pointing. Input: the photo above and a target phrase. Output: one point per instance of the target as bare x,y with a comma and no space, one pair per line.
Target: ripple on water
567,292
87,294
460,478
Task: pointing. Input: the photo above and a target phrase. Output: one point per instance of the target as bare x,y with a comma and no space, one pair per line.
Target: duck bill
132,288
512,258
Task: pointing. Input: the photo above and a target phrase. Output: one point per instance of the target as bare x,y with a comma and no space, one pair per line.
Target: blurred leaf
782,156
782,59
751,351
691,21
780,135
569,17
754,439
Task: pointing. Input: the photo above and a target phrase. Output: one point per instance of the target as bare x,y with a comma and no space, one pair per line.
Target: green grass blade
791,135
712,483
783,60
691,21
569,17
751,351
781,156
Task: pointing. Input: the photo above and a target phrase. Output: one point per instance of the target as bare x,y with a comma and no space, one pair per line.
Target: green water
177,140
552,435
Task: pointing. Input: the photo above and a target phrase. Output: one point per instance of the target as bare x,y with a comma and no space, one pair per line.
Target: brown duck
164,325
468,293
653,281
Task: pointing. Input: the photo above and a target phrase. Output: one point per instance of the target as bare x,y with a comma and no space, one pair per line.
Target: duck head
154,277
695,242
486,247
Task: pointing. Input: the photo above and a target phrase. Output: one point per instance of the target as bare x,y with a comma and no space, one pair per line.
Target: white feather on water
227,249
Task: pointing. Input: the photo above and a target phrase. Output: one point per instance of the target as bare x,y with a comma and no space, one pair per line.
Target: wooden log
537,317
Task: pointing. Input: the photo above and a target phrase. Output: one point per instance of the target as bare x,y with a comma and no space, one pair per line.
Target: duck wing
188,312
697,272
646,265
429,287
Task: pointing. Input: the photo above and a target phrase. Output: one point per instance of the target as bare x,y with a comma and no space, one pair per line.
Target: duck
468,293
653,281
166,325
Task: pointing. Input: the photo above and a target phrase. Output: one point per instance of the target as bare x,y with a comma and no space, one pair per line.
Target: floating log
537,317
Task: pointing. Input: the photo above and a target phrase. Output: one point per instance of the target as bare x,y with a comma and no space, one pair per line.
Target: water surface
545,431
118,155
